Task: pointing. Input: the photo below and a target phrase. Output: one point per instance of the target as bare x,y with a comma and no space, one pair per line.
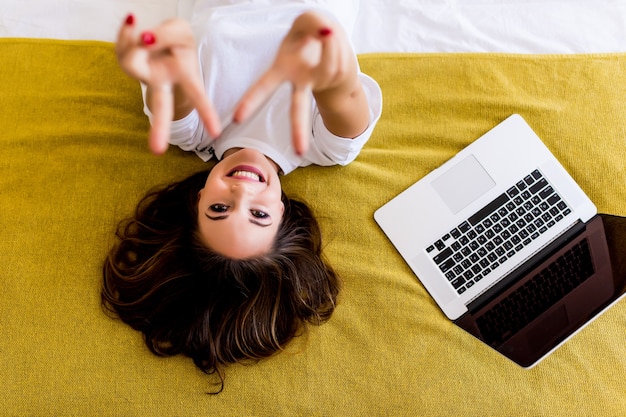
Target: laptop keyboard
480,244
537,295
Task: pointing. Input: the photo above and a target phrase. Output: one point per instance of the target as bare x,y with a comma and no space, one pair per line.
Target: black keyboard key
553,199
512,192
538,186
488,209
445,266
458,282
464,227
546,193
445,254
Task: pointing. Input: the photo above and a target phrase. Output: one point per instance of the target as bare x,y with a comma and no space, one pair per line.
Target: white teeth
247,174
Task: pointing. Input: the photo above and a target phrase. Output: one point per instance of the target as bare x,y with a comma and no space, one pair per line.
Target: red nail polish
325,32
130,19
148,38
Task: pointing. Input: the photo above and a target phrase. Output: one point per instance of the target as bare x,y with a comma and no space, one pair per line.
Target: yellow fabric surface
74,161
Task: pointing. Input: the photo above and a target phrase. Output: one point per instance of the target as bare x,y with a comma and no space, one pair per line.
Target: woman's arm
344,109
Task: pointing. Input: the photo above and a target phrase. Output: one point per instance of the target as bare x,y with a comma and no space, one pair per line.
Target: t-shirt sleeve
329,149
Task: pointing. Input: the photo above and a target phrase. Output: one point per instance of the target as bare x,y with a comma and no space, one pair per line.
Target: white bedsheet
518,26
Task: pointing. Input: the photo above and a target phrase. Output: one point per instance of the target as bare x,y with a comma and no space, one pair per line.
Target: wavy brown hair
186,299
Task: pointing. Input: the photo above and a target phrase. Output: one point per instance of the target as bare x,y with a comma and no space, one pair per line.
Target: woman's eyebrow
215,218
259,223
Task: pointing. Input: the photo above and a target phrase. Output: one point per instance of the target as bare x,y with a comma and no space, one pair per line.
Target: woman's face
240,207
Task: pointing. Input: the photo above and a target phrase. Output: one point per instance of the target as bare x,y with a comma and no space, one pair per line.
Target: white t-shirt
237,43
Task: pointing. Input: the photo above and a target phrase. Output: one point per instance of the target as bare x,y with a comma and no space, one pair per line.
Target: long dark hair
186,299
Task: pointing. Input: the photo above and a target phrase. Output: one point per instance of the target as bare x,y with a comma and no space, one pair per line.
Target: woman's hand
165,59
315,57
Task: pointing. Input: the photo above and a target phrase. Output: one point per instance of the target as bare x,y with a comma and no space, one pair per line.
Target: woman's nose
240,189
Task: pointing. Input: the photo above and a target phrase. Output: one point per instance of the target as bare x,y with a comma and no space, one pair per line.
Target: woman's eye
259,214
218,208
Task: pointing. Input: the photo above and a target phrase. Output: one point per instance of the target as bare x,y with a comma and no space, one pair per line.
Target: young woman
223,267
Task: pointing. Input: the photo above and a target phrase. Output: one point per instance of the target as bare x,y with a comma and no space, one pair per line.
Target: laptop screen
560,295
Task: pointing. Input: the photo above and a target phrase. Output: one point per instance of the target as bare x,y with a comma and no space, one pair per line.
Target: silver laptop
506,242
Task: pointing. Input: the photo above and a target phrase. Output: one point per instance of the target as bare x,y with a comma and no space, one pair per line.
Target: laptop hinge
542,254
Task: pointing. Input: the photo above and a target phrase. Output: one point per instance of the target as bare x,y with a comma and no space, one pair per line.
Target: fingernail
148,38
130,19
325,32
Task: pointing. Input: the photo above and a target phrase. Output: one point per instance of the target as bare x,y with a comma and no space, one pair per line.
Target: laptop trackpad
463,183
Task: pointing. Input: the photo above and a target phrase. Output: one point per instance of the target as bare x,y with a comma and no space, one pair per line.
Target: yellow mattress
74,161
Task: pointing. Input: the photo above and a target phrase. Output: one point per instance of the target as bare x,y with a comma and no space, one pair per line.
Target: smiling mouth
247,173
